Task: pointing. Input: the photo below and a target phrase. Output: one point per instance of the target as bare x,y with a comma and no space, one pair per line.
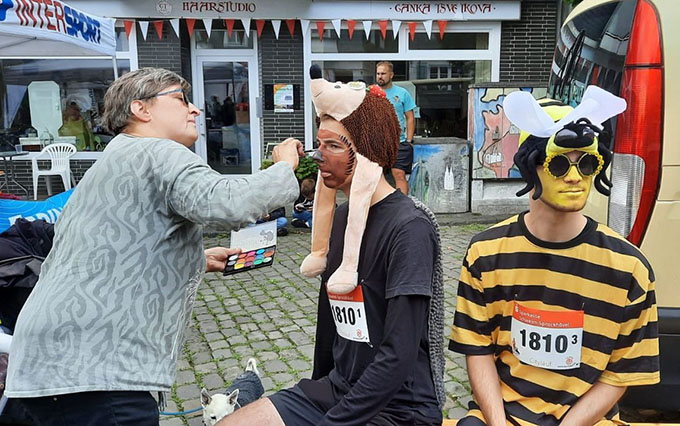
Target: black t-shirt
395,271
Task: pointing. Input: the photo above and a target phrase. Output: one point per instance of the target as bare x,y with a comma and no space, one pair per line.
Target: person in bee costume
556,313
379,349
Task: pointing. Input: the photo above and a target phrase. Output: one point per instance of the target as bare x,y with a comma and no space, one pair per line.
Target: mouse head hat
550,129
370,120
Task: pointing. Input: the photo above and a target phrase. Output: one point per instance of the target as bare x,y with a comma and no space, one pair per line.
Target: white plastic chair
59,154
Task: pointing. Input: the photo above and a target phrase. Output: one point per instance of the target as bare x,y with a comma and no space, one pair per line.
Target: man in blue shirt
403,105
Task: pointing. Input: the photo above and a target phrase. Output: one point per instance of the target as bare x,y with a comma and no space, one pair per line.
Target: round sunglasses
559,165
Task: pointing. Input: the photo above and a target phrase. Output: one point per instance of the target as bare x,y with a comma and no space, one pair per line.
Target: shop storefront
248,63
82,82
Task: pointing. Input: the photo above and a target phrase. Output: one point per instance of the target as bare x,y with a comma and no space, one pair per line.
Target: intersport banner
55,20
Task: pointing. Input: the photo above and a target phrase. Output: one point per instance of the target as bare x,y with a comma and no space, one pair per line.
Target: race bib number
547,339
349,315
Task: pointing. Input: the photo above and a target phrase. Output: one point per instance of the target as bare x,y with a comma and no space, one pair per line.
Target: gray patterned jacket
116,292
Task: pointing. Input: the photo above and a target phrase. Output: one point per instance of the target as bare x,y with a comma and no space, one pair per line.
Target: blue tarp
48,210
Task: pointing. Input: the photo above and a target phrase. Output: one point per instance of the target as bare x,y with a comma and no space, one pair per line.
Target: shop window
219,39
439,89
450,41
81,83
122,42
358,44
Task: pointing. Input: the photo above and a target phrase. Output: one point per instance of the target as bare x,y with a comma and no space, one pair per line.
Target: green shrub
306,169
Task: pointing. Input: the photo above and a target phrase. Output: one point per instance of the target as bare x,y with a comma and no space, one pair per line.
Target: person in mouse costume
378,356
373,130
556,313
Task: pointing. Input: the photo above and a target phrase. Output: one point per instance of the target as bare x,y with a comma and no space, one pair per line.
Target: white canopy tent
38,29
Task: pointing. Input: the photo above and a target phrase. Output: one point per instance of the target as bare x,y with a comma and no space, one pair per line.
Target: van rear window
591,49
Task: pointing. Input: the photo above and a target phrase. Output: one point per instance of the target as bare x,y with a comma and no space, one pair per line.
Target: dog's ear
205,398
233,398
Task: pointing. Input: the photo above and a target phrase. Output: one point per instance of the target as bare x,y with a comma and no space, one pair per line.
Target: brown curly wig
375,130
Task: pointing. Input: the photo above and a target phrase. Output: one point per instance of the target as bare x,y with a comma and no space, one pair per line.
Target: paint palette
249,260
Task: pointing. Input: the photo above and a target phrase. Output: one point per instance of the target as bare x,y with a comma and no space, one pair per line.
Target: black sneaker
298,223
282,232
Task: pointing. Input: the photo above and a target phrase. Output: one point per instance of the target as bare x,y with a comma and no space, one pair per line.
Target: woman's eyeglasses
559,165
185,99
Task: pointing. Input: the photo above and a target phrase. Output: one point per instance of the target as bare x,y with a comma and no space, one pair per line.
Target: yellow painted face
568,193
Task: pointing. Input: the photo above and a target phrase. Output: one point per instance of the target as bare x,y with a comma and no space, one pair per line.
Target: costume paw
313,266
342,282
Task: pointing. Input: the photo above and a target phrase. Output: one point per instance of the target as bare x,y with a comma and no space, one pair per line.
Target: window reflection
459,41
82,84
227,116
439,89
358,44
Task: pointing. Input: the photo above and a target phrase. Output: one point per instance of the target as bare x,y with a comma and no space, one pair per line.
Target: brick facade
24,175
280,61
527,45
165,53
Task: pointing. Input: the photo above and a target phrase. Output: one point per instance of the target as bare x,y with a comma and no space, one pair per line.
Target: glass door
229,137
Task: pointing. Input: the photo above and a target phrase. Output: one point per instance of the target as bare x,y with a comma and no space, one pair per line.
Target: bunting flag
159,29
230,26
174,23
190,26
395,27
442,28
128,27
337,25
259,24
319,27
144,26
246,26
304,23
428,27
350,27
412,30
207,23
290,23
367,28
383,28
276,24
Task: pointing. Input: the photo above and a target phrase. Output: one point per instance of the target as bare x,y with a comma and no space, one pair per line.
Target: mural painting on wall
494,138
440,176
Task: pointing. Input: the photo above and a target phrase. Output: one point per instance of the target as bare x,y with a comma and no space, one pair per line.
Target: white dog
248,385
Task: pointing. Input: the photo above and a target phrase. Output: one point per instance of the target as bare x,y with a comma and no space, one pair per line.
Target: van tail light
636,166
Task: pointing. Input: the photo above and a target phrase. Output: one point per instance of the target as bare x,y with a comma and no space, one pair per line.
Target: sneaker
282,232
298,223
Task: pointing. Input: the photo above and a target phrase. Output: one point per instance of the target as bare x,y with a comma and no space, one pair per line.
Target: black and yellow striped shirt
597,272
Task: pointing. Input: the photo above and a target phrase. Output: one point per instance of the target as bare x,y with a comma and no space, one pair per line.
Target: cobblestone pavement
270,314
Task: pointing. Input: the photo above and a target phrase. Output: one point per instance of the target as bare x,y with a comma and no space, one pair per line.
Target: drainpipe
560,6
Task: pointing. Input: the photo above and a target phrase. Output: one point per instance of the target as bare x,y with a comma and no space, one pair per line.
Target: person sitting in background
556,313
279,215
76,125
302,212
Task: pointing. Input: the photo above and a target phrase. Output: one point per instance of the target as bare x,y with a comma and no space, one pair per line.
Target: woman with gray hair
103,327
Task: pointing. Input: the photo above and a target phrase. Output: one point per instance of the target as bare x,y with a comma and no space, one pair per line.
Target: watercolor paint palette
249,260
